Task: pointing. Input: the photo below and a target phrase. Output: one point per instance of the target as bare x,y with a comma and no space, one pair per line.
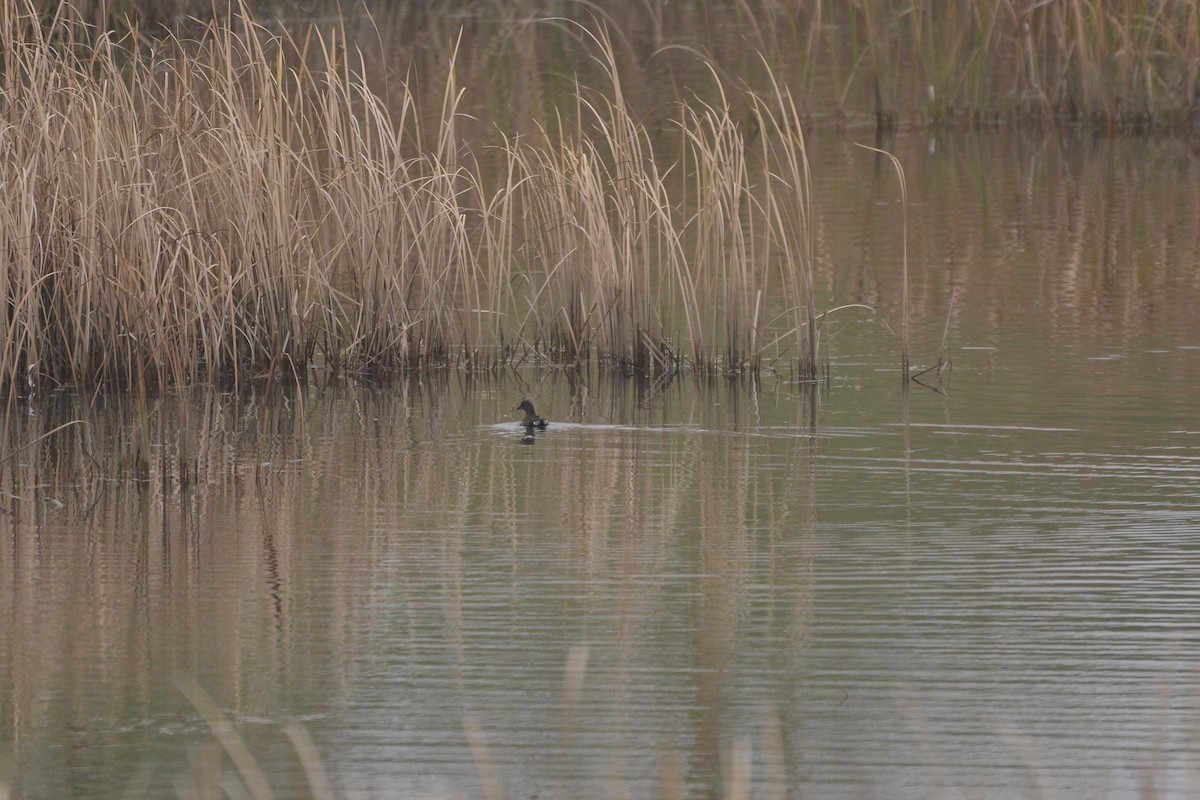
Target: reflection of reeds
298,510
251,781
218,210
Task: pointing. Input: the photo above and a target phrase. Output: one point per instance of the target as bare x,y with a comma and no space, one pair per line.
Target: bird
531,420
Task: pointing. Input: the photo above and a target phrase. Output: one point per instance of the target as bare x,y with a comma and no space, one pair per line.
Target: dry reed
905,364
244,202
1113,64
245,205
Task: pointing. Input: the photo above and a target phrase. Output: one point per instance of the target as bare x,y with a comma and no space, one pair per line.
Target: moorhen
531,420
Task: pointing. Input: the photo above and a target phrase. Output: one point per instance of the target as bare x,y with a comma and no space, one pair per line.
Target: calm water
991,590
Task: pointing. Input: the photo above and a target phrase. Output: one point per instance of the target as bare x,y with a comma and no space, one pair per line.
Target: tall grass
1099,62
249,201
244,204
1102,62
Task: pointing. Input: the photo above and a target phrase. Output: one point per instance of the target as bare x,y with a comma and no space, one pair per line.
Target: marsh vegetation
474,185
220,209
755,586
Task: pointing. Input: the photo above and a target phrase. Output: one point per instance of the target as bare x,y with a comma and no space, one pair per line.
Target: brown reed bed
243,204
251,200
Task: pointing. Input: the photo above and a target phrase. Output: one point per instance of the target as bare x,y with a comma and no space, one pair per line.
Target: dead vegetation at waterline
243,204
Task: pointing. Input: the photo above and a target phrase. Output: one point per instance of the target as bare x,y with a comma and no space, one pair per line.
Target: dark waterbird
531,420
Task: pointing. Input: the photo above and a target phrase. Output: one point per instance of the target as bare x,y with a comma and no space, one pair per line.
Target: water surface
987,587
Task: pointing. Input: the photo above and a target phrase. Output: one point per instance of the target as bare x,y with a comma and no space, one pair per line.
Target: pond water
987,586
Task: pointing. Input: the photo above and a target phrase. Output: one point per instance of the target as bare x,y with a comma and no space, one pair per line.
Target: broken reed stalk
244,206
904,360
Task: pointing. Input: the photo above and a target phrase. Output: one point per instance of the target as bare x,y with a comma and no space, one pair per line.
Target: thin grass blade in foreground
231,742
